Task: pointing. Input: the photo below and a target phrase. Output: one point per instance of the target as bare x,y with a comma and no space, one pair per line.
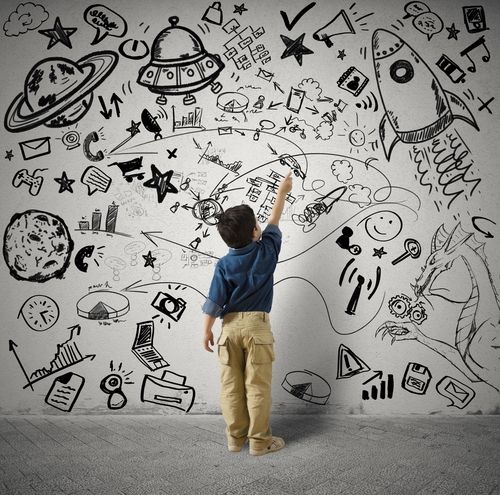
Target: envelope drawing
265,74
169,390
458,393
35,148
225,130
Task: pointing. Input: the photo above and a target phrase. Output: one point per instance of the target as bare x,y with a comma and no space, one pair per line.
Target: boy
241,294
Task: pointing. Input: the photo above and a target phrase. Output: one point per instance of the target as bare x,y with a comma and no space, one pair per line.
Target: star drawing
64,183
239,9
379,252
58,34
341,54
452,32
161,182
149,259
295,48
9,155
134,128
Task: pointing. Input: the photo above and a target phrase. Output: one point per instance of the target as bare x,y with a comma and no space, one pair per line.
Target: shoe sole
266,451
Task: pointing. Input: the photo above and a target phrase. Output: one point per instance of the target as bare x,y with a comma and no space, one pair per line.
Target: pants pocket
223,349
262,349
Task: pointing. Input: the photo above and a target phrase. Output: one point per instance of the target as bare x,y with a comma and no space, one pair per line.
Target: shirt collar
244,250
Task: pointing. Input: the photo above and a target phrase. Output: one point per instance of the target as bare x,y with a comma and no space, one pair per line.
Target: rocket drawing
416,107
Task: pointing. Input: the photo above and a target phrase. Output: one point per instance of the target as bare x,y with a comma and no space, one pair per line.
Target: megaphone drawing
340,24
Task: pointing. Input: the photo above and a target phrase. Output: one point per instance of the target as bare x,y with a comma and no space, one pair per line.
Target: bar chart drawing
67,354
383,389
96,225
190,121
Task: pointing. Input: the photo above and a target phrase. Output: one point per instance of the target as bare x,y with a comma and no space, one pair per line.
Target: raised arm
279,203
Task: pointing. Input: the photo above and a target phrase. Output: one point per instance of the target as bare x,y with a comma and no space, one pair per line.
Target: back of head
236,226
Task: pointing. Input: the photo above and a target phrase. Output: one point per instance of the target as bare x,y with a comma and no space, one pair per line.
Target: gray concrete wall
384,110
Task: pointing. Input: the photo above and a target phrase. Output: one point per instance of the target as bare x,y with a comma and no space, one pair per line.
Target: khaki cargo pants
246,353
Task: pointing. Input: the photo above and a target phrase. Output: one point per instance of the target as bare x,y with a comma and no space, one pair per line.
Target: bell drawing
213,14
180,65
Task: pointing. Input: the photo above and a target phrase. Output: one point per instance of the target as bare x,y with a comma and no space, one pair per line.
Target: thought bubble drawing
312,88
342,170
27,17
428,23
424,20
415,8
95,180
105,21
359,194
324,131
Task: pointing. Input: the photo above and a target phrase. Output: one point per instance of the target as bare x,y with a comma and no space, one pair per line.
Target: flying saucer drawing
180,65
102,305
58,92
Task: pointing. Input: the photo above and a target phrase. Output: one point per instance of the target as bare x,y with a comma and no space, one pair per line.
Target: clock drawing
40,313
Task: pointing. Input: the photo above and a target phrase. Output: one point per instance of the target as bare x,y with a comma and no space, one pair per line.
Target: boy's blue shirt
243,278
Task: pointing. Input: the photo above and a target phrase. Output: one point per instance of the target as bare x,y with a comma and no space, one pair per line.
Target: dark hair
235,226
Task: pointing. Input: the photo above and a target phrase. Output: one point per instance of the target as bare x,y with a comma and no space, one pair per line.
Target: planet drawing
58,92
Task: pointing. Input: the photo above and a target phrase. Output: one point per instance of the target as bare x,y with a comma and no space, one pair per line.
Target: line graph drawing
67,354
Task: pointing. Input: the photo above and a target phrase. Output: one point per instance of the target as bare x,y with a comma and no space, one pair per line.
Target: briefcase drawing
170,390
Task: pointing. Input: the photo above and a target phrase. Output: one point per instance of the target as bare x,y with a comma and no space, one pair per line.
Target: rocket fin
388,136
459,110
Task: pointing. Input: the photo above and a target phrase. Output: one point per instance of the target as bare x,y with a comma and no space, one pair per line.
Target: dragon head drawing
445,249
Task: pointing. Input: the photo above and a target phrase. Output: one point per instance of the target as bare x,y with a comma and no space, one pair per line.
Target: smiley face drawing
383,226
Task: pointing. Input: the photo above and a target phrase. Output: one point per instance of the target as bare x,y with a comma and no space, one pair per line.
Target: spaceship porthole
210,64
401,71
190,72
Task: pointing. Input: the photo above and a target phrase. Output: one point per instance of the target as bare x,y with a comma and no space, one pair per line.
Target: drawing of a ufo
180,65
58,92
416,107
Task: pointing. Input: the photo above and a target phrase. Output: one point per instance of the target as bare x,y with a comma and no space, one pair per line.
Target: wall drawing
128,128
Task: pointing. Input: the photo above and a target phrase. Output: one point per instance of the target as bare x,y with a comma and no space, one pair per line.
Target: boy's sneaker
276,444
233,447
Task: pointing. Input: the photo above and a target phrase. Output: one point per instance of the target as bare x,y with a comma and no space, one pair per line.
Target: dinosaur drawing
476,350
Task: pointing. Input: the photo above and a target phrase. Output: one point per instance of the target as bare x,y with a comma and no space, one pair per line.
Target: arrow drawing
272,105
12,348
115,100
105,112
206,149
151,235
277,87
487,234
139,285
273,151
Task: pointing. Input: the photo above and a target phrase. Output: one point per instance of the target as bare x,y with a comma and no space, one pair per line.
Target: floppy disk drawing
170,390
35,148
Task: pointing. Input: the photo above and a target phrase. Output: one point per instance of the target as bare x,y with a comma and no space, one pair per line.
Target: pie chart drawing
307,386
102,305
232,102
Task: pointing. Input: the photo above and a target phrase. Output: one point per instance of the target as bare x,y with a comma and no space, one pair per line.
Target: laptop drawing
144,348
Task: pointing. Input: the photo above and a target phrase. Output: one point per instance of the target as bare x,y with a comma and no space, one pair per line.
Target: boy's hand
286,184
208,338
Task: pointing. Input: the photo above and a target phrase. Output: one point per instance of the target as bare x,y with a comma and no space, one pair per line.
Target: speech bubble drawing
459,394
105,21
428,23
415,8
95,180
